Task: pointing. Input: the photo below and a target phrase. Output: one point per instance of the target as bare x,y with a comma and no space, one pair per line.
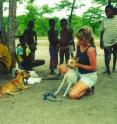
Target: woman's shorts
89,79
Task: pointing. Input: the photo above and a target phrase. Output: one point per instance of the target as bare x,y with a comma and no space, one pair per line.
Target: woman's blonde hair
85,33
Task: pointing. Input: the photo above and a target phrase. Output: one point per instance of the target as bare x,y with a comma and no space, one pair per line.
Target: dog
70,77
14,86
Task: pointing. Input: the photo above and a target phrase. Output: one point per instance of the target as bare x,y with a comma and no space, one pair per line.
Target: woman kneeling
86,55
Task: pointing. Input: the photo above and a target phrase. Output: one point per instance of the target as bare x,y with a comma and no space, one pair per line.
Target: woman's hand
77,65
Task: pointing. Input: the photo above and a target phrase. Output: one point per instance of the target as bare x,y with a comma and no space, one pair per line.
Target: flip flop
50,97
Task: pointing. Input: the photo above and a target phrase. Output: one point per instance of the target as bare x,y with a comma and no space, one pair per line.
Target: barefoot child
53,45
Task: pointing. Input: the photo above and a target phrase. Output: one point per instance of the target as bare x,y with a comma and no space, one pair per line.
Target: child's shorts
89,79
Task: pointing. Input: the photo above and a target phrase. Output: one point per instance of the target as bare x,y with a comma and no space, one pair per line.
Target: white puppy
70,77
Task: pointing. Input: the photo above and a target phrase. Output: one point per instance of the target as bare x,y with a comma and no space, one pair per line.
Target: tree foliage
64,4
32,12
92,18
104,2
67,4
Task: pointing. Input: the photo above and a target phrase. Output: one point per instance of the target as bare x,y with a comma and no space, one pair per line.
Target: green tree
103,2
69,6
1,14
72,8
45,9
77,23
32,12
92,18
2,28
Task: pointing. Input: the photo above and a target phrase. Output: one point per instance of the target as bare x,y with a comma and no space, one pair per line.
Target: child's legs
67,55
107,54
71,50
78,90
51,51
36,63
26,65
32,55
55,56
114,56
61,56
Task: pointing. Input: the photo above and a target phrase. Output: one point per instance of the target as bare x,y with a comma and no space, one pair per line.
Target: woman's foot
90,91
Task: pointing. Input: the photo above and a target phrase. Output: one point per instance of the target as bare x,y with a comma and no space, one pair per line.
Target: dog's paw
26,87
2,96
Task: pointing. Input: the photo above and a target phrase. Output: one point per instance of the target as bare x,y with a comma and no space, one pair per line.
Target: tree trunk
109,2
70,17
1,17
11,30
2,28
1,13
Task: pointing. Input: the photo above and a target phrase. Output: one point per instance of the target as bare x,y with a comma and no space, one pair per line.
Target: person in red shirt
86,55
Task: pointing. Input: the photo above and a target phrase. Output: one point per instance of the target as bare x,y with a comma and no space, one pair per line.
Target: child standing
53,46
65,39
31,35
108,38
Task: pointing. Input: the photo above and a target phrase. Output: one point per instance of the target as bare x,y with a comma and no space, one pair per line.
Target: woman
86,55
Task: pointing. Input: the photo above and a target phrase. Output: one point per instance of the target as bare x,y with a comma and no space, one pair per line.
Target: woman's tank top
83,59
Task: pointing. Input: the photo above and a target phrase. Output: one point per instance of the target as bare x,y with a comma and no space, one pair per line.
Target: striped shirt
109,26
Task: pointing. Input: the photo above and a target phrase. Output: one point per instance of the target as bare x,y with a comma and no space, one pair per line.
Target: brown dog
14,87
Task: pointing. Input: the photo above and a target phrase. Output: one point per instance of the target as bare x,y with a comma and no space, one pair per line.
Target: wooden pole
11,30
71,13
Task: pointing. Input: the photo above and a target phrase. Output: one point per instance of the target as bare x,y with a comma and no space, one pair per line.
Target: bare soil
30,108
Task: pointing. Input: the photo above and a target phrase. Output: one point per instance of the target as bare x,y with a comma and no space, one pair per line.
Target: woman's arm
92,59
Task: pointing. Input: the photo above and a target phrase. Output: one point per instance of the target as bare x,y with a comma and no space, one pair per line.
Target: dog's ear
27,72
19,73
22,73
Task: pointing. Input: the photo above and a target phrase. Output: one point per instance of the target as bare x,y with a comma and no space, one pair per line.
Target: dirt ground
30,108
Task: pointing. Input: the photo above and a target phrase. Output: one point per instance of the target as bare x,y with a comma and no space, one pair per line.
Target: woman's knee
73,95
